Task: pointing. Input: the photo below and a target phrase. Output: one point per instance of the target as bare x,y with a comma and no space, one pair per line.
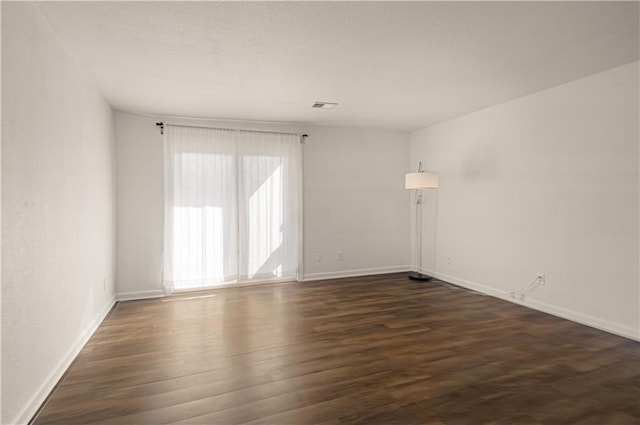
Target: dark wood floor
374,350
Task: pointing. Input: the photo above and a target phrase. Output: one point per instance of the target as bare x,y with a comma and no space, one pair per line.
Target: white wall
545,183
58,216
139,206
354,200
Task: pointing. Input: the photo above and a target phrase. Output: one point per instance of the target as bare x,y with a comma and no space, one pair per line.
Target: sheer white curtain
231,206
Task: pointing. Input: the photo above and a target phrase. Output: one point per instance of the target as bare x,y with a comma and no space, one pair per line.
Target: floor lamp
419,181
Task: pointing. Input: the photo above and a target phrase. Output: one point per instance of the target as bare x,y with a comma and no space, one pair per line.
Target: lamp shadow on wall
480,164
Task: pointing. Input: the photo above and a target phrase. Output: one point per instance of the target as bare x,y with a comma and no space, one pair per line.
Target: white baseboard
354,273
574,316
31,407
140,295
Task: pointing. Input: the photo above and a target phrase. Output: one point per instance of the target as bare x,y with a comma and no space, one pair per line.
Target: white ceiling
399,66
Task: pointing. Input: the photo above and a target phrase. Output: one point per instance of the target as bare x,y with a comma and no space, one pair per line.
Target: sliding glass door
232,202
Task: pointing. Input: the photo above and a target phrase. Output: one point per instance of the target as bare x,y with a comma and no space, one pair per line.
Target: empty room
320,213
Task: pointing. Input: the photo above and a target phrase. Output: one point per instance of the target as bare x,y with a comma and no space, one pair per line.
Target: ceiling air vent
324,105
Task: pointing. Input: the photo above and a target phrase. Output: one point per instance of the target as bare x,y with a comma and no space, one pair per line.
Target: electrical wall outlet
540,279
339,256
450,261
104,284
318,257
516,296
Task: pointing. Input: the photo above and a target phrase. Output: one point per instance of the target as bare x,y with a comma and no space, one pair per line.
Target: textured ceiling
399,66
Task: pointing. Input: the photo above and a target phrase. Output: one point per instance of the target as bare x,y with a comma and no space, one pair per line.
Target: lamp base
419,276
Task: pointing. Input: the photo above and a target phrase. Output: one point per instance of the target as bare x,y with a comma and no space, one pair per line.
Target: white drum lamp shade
421,180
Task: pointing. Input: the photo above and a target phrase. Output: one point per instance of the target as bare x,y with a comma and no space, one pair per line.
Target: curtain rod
162,124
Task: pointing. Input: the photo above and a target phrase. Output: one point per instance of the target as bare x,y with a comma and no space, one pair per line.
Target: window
232,206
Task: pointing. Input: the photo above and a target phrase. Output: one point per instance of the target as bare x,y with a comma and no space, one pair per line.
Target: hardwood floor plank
367,350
